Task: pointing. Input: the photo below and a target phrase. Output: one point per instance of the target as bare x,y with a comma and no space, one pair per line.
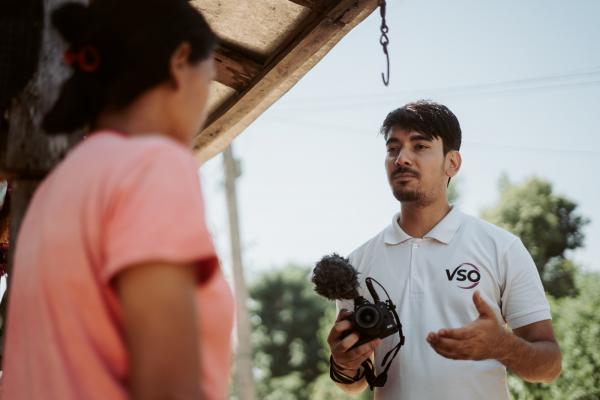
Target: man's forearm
533,361
353,388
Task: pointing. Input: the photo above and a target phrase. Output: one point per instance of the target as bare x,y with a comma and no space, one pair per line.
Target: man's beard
404,195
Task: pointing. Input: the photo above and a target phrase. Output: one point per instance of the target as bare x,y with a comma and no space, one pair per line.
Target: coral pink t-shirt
113,202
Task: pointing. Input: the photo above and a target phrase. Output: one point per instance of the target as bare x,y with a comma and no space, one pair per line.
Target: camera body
371,320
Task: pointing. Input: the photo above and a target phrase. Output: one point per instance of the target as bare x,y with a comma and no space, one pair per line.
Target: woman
116,291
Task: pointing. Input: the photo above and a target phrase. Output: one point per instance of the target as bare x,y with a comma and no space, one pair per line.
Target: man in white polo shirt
456,280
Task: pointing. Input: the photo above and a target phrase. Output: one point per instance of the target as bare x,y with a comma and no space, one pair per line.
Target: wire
553,81
344,130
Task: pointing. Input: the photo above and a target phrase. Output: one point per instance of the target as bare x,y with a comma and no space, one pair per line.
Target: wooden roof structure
266,47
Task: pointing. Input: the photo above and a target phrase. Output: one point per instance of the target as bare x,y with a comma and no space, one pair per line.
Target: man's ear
179,62
453,163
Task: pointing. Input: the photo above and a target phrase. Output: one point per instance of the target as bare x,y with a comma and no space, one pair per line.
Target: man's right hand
349,360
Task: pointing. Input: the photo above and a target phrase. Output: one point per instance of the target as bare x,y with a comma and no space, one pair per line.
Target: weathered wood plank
306,47
312,4
235,69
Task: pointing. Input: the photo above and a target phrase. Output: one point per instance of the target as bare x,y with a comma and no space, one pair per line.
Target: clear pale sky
523,78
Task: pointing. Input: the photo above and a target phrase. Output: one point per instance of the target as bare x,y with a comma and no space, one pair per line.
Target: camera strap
369,369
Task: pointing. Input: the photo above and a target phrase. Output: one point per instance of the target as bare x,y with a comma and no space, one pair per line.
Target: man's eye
392,150
421,147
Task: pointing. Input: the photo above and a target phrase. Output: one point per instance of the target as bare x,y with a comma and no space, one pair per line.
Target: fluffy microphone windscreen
335,278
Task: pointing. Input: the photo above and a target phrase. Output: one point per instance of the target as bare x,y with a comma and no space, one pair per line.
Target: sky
523,78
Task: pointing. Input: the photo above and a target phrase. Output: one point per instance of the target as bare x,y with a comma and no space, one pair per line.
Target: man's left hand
480,340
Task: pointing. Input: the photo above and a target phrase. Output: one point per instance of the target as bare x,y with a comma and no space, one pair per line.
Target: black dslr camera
372,320
336,279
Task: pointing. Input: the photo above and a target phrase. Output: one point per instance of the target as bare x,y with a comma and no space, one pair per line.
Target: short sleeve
523,299
157,215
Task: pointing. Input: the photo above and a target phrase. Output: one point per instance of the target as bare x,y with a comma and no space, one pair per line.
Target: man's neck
417,220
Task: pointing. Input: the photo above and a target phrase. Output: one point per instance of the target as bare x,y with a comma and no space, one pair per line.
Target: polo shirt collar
443,232
394,234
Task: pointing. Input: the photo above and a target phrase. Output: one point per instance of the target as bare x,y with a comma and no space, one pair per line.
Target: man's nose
403,158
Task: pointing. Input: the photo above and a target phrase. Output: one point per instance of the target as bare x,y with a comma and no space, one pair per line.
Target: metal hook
384,40
386,78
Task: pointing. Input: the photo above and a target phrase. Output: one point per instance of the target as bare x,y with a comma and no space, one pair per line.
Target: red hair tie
86,59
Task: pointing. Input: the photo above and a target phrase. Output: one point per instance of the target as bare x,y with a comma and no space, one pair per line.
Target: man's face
416,167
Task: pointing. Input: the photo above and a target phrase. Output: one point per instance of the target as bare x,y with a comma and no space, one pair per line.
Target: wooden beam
312,4
235,69
305,48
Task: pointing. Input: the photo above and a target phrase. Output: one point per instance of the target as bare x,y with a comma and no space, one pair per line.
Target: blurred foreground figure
117,291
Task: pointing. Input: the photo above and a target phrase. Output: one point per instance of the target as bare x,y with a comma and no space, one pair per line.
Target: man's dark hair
428,118
134,40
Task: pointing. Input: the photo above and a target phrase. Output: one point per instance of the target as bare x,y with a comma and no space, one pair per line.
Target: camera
372,320
336,279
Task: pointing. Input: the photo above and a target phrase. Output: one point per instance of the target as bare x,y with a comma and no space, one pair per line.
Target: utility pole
243,375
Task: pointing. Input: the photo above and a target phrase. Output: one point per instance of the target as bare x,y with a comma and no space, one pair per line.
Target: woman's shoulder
116,149
110,159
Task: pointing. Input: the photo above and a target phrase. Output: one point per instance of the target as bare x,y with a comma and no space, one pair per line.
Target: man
457,281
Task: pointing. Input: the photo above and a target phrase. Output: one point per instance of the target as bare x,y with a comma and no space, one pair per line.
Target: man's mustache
405,170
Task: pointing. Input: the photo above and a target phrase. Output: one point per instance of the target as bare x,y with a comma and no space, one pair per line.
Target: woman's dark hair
429,118
132,42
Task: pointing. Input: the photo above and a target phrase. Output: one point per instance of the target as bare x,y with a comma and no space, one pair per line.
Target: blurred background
523,79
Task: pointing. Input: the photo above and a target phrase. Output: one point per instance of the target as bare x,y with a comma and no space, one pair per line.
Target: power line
564,75
338,129
508,147
586,78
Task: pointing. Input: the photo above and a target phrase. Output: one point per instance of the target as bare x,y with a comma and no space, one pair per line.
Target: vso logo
467,273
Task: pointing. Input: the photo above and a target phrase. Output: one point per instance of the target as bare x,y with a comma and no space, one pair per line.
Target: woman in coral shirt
117,291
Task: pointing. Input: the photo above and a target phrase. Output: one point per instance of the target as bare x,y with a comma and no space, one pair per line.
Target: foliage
291,322
291,325
576,323
285,317
284,388
548,225
453,193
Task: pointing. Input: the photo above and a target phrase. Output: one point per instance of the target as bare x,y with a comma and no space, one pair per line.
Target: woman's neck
142,117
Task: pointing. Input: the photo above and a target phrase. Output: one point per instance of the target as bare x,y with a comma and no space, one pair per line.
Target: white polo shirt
432,281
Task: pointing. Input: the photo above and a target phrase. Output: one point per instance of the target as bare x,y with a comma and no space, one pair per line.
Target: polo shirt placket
416,272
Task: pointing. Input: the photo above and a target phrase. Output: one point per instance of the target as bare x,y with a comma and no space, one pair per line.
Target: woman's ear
453,163
179,63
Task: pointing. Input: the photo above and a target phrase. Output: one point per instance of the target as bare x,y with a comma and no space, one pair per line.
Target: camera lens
367,317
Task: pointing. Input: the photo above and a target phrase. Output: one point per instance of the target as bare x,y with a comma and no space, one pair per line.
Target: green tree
287,348
576,323
548,225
